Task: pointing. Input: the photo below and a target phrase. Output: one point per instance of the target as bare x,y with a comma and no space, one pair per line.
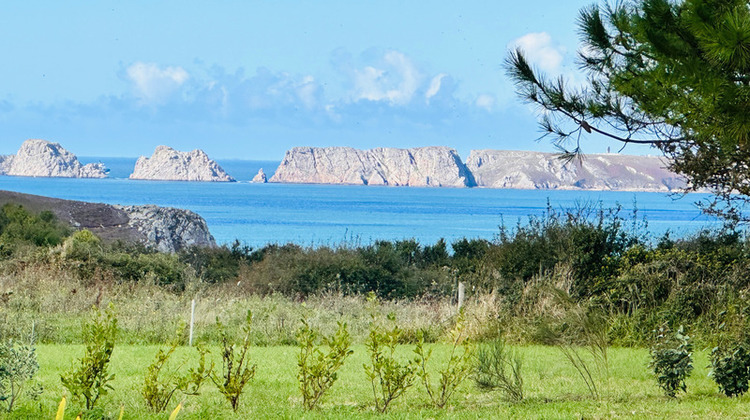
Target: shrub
498,367
672,360
18,366
89,377
82,245
457,369
318,370
730,368
389,377
236,370
158,391
18,225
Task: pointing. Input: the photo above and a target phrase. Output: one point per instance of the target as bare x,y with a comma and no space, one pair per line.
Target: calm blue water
332,214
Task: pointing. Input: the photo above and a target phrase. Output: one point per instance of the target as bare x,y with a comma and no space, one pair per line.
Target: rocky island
422,167
41,158
167,164
536,170
163,228
441,167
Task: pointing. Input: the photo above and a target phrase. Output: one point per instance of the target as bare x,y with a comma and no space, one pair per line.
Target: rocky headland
420,167
41,158
167,164
536,170
441,167
163,228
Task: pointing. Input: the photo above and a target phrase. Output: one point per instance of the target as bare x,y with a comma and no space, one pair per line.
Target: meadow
552,386
580,297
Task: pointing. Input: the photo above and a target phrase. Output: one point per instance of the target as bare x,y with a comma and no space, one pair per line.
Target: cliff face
163,228
41,158
167,164
534,170
425,166
168,229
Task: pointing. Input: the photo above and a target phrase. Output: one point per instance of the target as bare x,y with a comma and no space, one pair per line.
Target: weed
458,368
498,367
585,325
236,369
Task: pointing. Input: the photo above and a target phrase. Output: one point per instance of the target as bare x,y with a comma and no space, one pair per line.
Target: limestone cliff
424,166
41,158
163,228
167,164
535,170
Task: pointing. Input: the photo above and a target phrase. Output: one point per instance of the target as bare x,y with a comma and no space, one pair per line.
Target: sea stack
41,158
420,167
260,177
167,164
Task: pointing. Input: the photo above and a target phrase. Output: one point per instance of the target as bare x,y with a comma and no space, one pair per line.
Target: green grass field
552,388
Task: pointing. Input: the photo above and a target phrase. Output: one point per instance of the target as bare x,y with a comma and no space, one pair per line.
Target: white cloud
154,85
307,92
396,83
485,101
435,85
540,50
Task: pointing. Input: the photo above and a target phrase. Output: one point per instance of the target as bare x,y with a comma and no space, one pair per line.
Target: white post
192,320
461,292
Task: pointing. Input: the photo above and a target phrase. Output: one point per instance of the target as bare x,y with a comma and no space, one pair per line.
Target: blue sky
250,79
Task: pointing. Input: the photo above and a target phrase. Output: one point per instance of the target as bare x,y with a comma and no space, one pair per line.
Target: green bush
459,366
390,378
672,360
19,226
730,368
318,370
18,366
162,382
89,377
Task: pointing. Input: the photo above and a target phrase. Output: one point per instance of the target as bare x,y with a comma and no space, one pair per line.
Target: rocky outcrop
163,228
260,177
421,167
167,164
168,229
41,158
535,170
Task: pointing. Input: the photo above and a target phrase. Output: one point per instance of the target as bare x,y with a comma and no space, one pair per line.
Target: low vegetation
587,283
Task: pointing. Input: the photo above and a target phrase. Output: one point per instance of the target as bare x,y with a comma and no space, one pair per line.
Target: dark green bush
19,226
730,368
672,360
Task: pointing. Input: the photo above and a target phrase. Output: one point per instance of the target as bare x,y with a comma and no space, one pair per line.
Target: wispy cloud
379,91
153,84
485,101
435,85
540,50
394,80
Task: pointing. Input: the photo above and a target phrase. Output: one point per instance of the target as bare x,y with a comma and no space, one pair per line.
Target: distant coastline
431,166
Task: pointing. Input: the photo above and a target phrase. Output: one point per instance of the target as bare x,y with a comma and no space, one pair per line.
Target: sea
333,215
